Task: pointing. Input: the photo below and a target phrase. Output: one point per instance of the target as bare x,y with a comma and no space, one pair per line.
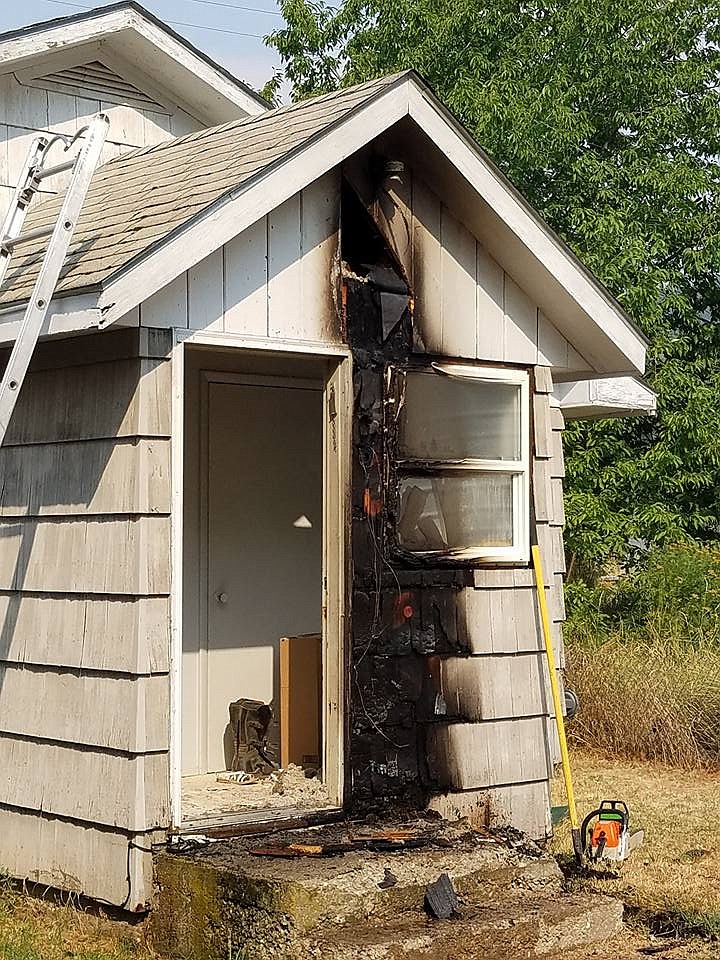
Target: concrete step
222,901
507,929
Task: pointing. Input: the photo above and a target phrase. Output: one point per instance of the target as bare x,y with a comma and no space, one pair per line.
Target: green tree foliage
606,114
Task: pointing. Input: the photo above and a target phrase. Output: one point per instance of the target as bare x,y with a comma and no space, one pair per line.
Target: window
463,441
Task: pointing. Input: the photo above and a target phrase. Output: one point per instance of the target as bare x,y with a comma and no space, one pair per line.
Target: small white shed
297,382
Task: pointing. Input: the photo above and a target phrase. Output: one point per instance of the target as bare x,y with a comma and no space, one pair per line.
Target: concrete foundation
221,902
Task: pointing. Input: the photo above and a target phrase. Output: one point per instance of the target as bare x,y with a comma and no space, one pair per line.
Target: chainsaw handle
616,805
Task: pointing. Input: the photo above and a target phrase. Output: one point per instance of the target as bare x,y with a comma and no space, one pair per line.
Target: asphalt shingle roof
139,198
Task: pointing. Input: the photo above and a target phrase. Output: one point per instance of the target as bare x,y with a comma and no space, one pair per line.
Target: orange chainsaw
605,833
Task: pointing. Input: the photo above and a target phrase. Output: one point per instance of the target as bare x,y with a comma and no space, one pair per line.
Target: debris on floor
441,900
218,795
388,880
349,891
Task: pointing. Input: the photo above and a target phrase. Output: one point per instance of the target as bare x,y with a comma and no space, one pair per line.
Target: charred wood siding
449,698
84,586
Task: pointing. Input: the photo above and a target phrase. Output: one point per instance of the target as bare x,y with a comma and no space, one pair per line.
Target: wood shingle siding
104,788
62,631
128,715
501,692
104,863
525,805
470,755
84,598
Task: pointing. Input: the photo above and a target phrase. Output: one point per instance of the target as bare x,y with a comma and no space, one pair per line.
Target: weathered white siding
467,306
497,762
84,615
63,101
278,279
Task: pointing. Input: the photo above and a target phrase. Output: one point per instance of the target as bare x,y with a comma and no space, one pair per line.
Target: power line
237,6
175,23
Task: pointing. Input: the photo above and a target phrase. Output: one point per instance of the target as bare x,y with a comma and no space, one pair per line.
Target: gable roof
141,197
128,33
157,211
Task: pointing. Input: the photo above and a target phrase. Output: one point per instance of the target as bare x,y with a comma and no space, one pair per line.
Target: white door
264,541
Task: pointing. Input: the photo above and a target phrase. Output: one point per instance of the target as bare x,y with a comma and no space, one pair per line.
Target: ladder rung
9,243
46,172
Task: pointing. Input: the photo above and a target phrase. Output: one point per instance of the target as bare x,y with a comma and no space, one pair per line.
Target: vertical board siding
246,277
466,306
277,279
84,602
63,104
500,690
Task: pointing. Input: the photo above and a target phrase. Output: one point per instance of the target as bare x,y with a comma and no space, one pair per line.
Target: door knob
221,597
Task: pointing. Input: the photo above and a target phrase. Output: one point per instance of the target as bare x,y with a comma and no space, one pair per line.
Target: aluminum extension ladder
34,172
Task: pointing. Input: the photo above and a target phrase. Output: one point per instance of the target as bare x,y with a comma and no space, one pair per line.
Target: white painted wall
277,279
466,304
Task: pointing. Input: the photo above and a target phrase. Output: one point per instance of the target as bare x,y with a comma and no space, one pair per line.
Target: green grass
35,929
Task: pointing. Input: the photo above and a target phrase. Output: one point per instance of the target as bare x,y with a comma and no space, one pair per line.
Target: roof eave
18,48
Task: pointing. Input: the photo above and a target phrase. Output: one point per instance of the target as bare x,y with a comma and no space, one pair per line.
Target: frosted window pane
450,419
456,511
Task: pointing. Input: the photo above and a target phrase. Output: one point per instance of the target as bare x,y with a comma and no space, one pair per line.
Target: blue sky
245,56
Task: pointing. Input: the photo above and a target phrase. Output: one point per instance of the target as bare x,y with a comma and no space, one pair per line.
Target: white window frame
519,552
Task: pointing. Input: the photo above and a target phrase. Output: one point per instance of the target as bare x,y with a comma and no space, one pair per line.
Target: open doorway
260,682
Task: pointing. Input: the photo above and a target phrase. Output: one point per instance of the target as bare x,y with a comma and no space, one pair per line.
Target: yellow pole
554,686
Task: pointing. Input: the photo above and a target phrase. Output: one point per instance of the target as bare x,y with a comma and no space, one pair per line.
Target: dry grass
34,929
676,874
650,700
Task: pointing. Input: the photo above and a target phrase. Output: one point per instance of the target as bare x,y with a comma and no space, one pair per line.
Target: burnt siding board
84,612
422,635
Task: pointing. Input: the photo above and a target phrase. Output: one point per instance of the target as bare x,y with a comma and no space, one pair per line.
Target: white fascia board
605,397
198,68
66,315
214,90
249,203
529,229
17,52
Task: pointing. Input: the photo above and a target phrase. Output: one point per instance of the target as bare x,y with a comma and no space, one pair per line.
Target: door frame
336,581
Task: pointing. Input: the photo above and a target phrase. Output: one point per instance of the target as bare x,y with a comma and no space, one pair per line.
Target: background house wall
63,100
84,604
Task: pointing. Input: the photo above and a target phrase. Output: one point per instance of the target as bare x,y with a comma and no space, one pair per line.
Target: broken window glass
448,512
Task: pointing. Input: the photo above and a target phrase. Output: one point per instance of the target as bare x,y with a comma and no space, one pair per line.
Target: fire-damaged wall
449,703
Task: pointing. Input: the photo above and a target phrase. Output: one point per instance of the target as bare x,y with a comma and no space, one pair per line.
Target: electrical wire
237,6
175,23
